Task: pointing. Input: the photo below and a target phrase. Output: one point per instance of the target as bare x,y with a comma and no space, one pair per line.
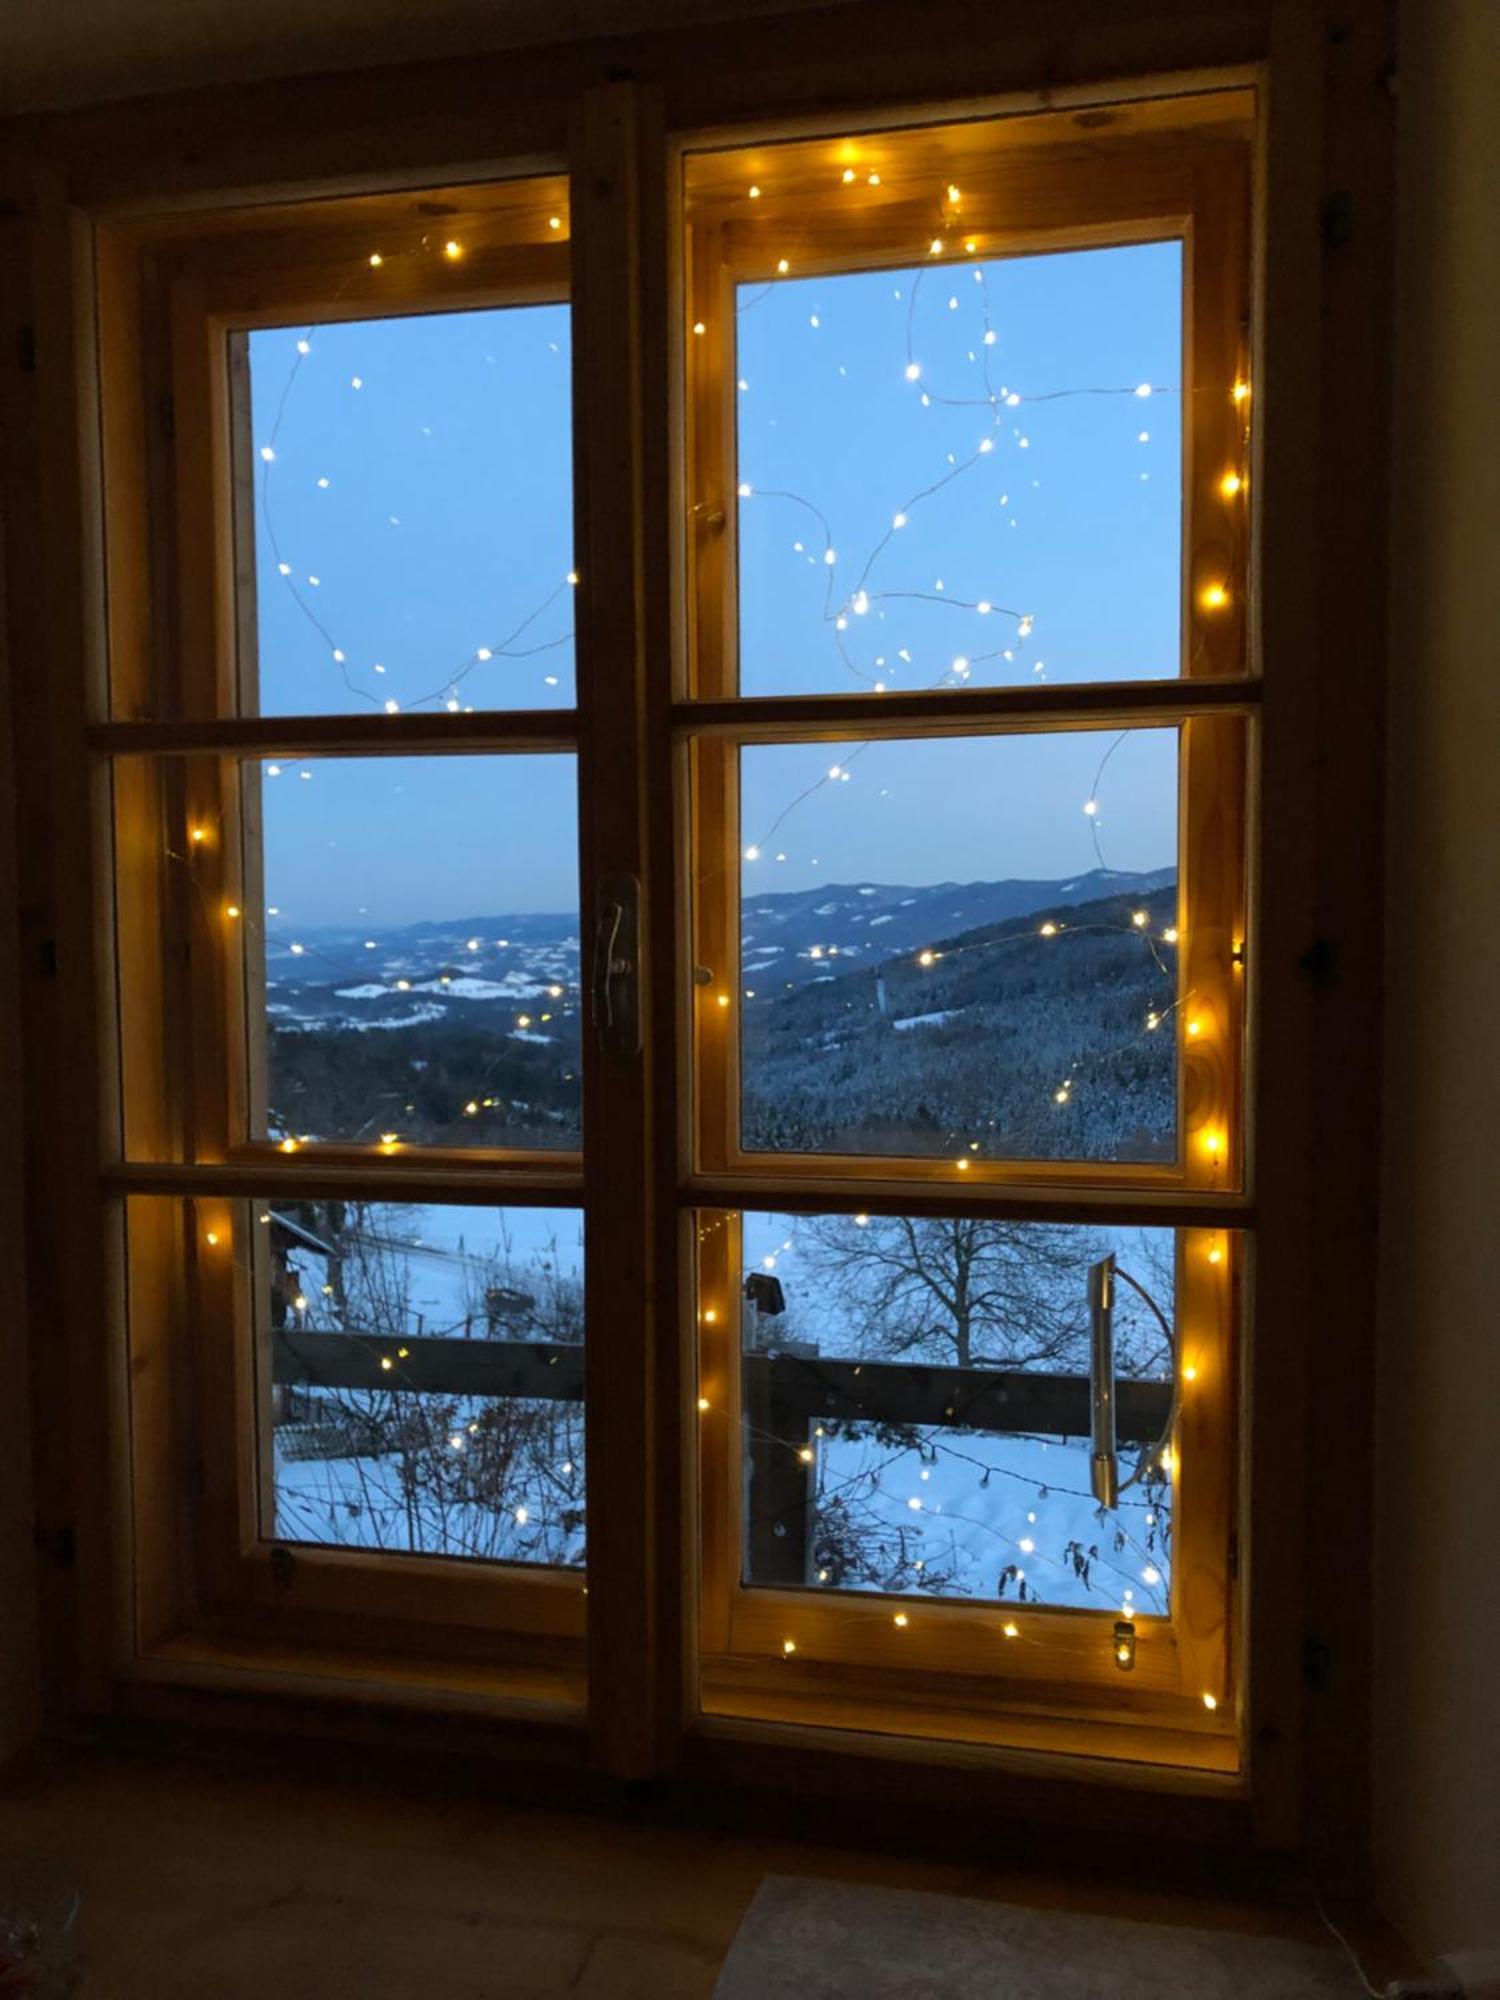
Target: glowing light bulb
1091,807
699,327
861,1221
745,489
267,453
935,247
288,1146
703,1403
901,1619
913,370
1143,389
1215,597
788,1647
523,1515
1210,1702
1230,484
848,175
962,1164
1011,1630
755,194
1049,930
782,266
1241,391
1140,919
1216,1255
232,910
452,251
710,1316
211,1236
1169,935
554,222
393,708
376,260
872,180
752,853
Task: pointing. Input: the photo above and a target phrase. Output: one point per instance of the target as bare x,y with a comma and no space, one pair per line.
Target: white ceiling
68,52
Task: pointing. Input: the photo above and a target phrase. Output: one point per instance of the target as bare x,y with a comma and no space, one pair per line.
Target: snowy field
937,1512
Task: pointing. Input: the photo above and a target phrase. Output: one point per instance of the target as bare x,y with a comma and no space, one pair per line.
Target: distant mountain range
468,1030
869,922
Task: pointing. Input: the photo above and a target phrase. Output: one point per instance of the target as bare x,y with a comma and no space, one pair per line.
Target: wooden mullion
304,1175
1098,704
631,1657
1182,1208
497,730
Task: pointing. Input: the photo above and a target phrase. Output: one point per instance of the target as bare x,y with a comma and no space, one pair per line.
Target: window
845,997
347,827
968,455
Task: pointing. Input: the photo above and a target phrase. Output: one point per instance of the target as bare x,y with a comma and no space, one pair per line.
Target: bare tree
955,1288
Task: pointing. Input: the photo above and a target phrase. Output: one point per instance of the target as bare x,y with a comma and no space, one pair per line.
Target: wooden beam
540,1370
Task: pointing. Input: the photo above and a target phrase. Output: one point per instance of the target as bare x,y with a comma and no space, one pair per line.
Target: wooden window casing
93,202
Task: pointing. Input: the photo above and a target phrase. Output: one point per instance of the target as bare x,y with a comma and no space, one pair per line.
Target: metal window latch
1104,1463
616,970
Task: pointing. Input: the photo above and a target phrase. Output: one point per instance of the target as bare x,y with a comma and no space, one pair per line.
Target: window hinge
283,1564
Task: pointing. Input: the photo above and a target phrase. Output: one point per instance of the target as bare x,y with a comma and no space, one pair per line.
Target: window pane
888,1443
962,475
423,1378
961,946
413,513
420,953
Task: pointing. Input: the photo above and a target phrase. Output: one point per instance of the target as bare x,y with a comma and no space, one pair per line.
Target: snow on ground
929,1020
365,1503
975,1504
469,986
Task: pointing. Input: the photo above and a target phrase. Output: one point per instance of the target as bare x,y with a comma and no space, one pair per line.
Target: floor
224,1887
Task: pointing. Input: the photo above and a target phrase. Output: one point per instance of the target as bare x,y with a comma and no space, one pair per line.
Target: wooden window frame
1319,353
181,745
1176,169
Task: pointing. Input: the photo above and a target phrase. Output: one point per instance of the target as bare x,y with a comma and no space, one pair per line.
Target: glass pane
420,951
961,946
915,1409
413,513
962,475
423,1372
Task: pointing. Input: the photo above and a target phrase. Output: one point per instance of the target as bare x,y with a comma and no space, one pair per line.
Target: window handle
1104,1463
616,986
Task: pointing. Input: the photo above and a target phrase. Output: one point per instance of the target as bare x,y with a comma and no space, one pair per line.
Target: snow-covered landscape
905,1508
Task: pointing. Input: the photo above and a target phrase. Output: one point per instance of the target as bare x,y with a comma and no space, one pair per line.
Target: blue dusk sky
419,500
